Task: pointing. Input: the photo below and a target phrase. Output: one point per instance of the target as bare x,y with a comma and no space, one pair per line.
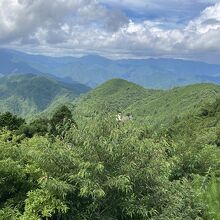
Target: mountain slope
113,96
174,103
94,70
29,93
152,107
199,129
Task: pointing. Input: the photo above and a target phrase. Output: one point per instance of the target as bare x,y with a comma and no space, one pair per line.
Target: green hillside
200,128
115,95
152,107
177,102
29,94
85,164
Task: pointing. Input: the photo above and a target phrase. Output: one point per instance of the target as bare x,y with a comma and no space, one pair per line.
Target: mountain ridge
153,107
93,70
29,94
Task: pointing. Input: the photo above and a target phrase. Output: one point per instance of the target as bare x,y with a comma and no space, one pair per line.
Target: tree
103,170
62,113
38,126
10,121
61,121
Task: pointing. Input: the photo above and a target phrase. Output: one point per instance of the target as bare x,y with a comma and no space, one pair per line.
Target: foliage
211,196
156,108
38,126
62,113
99,171
10,121
59,123
84,164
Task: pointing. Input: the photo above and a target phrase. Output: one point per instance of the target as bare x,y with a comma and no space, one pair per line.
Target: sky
186,29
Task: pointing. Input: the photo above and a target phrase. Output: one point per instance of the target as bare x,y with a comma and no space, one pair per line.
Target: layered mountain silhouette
94,70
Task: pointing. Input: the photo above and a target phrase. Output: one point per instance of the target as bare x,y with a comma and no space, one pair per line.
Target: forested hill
113,96
150,106
29,94
88,164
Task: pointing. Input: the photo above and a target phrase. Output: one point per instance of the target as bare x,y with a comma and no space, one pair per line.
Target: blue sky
170,11
187,29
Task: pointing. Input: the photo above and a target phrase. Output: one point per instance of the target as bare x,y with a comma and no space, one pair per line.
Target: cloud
20,18
26,19
203,33
89,26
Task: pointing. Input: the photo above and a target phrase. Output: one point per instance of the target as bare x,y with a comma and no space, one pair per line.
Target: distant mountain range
29,94
94,70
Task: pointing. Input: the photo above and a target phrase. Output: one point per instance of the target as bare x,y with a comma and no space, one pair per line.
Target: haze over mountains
94,70
29,94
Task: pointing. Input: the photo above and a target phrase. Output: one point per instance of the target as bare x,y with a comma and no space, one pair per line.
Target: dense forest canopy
109,110
82,163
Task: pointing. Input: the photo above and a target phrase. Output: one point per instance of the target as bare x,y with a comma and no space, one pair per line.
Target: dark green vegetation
30,94
84,164
94,70
10,121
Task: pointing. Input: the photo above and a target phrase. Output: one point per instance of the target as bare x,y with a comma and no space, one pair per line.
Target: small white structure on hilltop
124,118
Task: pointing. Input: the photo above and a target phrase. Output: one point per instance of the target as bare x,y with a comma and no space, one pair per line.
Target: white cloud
203,33
21,19
84,26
